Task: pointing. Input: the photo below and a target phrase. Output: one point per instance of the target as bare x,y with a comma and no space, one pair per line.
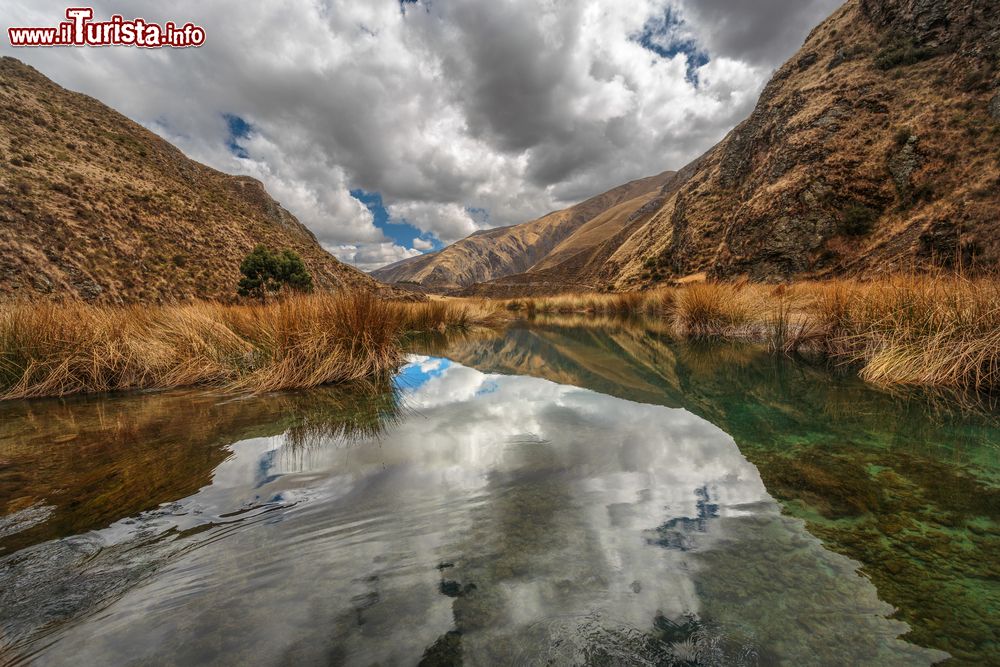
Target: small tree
267,271
293,272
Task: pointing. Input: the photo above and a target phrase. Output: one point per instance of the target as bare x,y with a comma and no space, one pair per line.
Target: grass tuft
922,331
708,310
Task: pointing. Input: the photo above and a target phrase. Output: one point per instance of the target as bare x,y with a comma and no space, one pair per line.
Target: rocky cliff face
876,148
94,206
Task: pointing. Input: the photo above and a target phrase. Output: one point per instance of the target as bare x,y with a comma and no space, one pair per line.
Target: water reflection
908,489
68,466
495,519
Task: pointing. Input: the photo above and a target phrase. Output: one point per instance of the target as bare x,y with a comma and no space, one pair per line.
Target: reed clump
930,331
444,314
650,303
710,310
57,349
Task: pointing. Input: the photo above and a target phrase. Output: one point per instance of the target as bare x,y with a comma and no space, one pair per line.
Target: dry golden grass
653,302
442,314
49,349
929,330
704,310
940,332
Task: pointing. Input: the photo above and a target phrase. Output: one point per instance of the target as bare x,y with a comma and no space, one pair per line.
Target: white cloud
449,222
422,245
370,256
513,108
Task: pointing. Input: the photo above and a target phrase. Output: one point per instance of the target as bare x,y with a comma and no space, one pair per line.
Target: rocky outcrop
971,27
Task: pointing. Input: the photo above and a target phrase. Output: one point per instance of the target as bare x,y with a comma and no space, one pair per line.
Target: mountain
530,246
92,205
875,149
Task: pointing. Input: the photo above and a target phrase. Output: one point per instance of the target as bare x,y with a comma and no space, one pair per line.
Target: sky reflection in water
501,520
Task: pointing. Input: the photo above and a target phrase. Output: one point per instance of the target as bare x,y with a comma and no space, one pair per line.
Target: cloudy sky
391,127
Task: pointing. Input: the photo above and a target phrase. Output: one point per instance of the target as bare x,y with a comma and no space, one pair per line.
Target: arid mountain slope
95,206
575,266
875,149
501,252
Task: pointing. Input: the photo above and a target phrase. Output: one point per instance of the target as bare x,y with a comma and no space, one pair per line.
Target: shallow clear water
564,493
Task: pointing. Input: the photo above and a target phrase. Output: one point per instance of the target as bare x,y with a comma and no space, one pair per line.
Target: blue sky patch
660,36
415,375
401,233
488,387
238,129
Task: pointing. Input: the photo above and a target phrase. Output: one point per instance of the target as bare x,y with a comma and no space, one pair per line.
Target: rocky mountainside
95,206
875,149
528,247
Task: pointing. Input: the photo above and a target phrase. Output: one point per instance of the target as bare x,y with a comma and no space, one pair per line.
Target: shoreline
920,331
929,331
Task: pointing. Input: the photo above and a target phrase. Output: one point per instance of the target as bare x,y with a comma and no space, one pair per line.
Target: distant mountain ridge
874,149
94,206
495,253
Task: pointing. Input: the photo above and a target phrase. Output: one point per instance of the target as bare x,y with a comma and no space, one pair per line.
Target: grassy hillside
94,206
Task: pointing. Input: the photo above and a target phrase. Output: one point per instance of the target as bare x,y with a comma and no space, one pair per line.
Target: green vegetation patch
859,220
904,53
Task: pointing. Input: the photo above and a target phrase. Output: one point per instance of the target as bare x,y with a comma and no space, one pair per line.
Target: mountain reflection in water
471,517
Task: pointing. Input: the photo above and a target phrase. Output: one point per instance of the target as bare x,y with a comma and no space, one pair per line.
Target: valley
507,377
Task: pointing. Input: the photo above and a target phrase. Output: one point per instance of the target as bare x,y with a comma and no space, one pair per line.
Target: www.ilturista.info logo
80,30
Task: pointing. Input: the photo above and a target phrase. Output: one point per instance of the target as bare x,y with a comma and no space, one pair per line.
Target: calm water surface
559,493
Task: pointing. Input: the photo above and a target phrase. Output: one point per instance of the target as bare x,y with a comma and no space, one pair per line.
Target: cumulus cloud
449,222
370,256
463,115
762,32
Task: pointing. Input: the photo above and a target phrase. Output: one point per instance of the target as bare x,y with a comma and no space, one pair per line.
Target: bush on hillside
267,271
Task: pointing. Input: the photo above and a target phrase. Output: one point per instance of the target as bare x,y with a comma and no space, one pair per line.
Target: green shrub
902,136
902,54
62,188
924,193
267,271
976,80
